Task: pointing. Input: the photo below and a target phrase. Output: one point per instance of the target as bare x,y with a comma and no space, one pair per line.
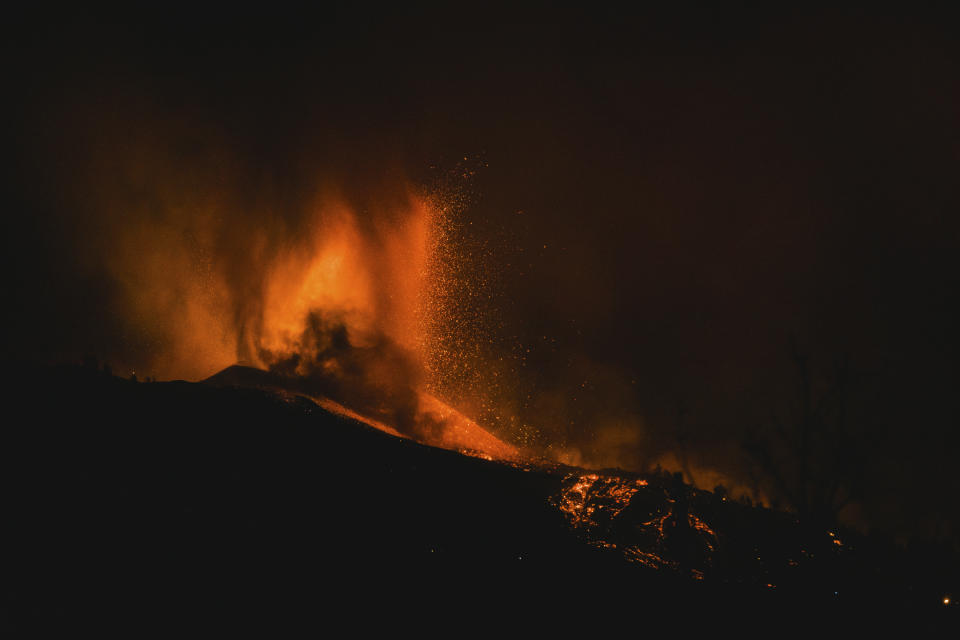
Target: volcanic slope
431,421
164,504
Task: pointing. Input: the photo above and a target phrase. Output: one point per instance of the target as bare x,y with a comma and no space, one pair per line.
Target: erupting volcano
360,315
541,307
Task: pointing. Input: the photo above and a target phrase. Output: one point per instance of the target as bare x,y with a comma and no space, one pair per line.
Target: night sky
673,201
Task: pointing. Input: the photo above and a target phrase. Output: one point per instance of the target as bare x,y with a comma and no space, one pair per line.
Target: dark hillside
156,504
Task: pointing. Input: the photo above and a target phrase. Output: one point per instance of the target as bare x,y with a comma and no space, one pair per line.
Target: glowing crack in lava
642,523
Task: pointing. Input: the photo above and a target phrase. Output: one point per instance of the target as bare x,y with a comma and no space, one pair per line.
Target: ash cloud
378,378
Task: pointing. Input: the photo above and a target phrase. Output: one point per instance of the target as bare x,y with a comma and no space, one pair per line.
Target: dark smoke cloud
378,378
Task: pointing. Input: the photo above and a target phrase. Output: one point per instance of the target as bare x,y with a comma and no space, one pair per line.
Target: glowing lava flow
449,429
588,495
361,315
641,522
458,432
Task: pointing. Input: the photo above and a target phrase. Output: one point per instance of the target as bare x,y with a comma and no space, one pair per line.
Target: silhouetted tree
809,456
681,436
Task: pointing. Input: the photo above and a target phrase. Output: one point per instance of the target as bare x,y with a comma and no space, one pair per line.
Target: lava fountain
353,314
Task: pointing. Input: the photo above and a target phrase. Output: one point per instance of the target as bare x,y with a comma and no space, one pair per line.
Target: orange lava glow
595,506
377,278
451,429
589,493
371,276
458,432
354,298
350,291
339,409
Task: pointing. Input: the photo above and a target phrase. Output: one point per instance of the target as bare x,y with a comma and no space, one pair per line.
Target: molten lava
357,311
448,429
643,523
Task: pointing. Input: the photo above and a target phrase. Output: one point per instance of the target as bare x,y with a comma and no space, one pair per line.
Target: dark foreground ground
178,506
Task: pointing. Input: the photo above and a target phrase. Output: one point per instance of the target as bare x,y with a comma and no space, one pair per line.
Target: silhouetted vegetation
810,452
